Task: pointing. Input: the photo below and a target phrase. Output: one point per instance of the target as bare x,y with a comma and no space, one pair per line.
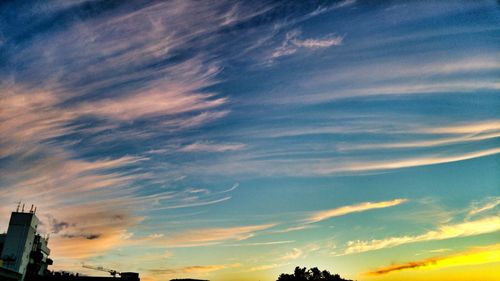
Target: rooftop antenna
18,205
34,211
31,210
22,209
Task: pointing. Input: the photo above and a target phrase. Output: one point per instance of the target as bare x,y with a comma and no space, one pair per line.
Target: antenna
31,210
23,208
34,211
18,205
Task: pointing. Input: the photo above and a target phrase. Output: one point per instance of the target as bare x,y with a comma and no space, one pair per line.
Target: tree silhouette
313,274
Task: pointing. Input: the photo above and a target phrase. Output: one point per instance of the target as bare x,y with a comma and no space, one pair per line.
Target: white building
21,248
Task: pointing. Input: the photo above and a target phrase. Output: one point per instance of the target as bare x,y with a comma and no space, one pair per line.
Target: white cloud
211,236
361,207
292,43
487,205
319,43
264,267
481,226
212,147
406,163
293,255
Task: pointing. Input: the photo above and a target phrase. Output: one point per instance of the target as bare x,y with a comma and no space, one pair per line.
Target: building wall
9,275
19,241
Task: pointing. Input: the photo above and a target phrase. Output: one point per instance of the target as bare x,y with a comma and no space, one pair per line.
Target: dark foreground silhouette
313,274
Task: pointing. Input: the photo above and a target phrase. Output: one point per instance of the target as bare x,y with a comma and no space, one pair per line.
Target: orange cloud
91,229
192,269
479,255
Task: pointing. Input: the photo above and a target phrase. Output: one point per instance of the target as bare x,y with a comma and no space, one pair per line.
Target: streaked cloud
193,121
361,207
486,205
293,228
30,118
179,93
319,43
212,147
411,69
406,163
211,236
193,269
260,243
127,123
470,228
422,143
461,133
194,203
395,89
345,3
292,43
464,128
475,256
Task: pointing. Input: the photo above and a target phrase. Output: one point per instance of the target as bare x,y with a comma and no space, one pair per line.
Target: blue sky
217,139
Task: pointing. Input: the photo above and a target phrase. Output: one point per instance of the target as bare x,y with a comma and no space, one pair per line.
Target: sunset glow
236,140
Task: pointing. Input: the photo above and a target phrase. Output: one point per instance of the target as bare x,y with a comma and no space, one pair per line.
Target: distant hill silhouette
313,274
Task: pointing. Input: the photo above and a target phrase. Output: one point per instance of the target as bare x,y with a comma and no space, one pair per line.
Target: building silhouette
24,254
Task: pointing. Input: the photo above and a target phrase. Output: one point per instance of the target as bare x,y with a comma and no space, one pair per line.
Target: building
24,254
21,248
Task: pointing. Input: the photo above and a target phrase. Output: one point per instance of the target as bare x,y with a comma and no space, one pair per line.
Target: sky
235,140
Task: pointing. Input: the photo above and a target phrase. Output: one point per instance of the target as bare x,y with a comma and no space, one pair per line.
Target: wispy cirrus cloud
475,256
484,206
344,210
190,270
422,143
212,236
292,43
486,126
319,43
260,243
410,69
461,133
212,147
396,89
407,163
193,121
470,228
28,119
179,93
293,228
193,202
